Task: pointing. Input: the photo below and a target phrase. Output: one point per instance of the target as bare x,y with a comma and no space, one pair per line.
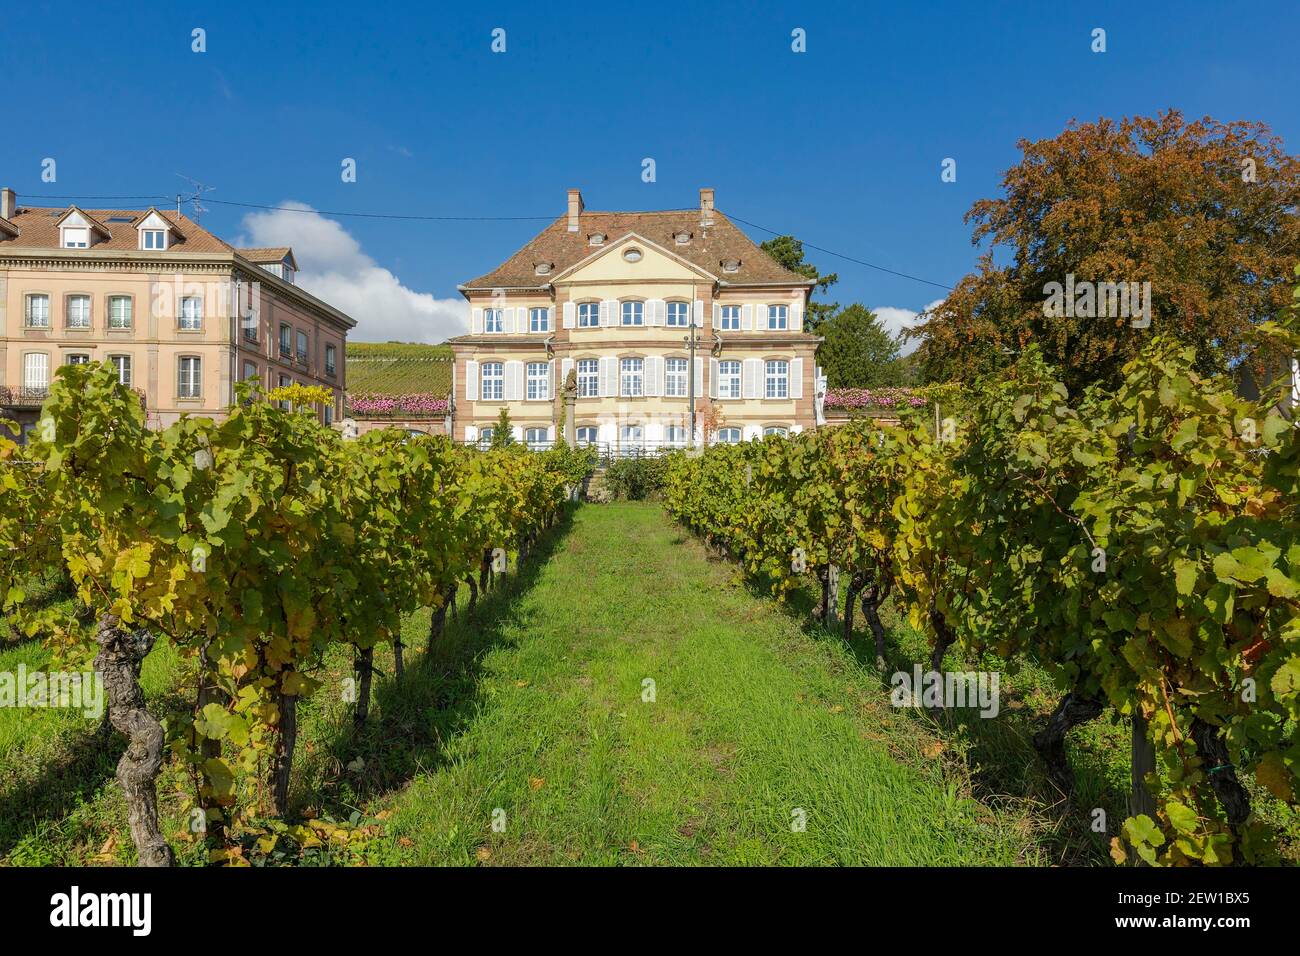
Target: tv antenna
197,190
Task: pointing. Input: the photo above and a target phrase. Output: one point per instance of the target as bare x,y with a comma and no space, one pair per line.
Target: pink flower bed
890,398
419,403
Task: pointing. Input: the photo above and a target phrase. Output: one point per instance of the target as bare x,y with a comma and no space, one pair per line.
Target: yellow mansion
659,319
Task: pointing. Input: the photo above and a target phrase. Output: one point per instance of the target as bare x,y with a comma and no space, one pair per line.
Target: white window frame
535,438
675,436
675,381
28,312
587,435
679,314
189,314
67,311
539,320
729,383
631,436
588,378
776,378
75,237
631,309
730,321
537,375
778,317
122,366
728,430
776,430
191,385
494,320
588,315
331,358
77,358
631,377
492,381
153,240
127,319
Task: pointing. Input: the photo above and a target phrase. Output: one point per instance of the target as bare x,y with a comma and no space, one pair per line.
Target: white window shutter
550,432
699,378
518,432
656,311
608,377
514,381
751,432
570,315
550,379
654,368
796,315
796,378
713,378
795,429
654,434
717,315
566,366
699,313
471,381
609,312
471,433
751,378
475,321
746,317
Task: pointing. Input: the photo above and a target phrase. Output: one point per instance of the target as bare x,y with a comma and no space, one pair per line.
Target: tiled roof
398,368
38,226
268,255
706,249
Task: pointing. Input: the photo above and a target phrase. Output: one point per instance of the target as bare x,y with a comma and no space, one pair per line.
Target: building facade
180,314
652,313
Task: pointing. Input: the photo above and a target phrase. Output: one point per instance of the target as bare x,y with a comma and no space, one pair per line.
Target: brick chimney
575,208
8,203
706,207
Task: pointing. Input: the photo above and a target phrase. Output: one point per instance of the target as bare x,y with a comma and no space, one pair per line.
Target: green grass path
754,718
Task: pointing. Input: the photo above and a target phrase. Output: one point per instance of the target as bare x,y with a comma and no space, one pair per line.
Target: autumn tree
858,351
788,252
1203,211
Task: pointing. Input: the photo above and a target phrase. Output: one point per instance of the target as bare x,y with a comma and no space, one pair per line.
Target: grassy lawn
754,718
534,711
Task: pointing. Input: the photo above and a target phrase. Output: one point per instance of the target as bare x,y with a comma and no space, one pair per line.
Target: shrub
635,479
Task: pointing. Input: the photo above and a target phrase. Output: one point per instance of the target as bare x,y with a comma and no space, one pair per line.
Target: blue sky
841,145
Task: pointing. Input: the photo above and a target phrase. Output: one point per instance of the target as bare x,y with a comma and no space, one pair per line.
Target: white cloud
333,267
896,320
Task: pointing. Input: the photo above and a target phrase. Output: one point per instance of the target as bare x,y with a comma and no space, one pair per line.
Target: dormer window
543,268
596,239
76,237
155,232
681,238
730,265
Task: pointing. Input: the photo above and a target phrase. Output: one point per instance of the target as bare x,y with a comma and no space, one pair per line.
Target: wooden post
1143,761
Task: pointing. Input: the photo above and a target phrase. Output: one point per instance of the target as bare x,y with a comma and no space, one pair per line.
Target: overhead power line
420,218
840,255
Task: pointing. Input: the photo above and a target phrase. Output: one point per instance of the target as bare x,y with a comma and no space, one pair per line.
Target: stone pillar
571,408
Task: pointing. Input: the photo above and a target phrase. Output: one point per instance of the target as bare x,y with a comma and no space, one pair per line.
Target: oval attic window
632,255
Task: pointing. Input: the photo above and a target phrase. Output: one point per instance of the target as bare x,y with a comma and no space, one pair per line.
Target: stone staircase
593,487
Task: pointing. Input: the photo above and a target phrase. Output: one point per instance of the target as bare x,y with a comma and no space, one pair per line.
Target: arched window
728,436
679,314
